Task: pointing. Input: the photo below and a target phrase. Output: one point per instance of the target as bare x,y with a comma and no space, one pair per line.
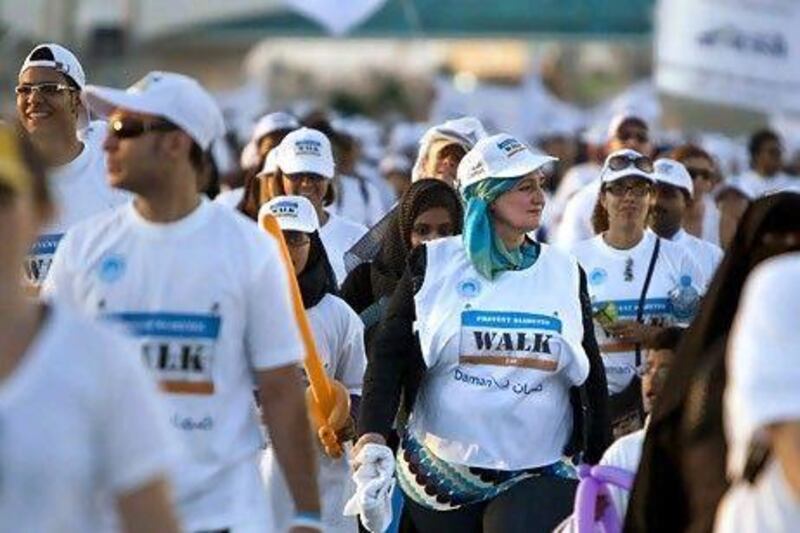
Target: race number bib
510,339
178,348
39,258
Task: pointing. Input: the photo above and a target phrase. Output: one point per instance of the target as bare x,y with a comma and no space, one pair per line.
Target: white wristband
306,521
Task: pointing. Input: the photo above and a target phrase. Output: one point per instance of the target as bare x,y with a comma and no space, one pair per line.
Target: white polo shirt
706,254
207,299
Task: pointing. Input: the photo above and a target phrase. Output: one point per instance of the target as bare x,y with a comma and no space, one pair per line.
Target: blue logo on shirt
598,276
469,288
111,269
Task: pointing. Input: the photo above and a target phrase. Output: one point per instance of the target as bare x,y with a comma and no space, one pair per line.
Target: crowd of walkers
442,338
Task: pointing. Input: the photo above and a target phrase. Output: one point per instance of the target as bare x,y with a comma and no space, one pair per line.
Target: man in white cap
443,146
762,403
206,295
626,130
50,110
674,192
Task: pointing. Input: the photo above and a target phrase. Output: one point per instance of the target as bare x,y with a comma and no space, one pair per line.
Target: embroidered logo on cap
511,146
308,147
285,208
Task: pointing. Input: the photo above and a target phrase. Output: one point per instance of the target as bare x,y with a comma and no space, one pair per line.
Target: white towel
375,481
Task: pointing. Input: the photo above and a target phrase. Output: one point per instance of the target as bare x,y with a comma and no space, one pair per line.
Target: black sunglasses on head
621,162
128,127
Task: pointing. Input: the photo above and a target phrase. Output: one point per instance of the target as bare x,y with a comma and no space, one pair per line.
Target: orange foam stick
317,379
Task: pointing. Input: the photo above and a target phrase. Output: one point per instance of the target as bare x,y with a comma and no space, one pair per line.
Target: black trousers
533,505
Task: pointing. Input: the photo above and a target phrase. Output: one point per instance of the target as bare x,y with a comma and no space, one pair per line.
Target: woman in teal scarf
489,337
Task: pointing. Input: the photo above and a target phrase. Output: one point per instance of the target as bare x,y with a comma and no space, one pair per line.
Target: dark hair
667,339
758,139
689,151
199,158
251,199
600,215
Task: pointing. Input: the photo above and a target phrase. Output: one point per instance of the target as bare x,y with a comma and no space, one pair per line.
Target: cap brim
293,224
525,166
627,173
311,169
104,100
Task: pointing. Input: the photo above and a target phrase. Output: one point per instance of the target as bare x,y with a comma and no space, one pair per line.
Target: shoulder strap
643,297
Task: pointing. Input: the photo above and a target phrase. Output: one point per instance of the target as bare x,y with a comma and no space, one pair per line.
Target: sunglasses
296,239
700,173
640,136
46,89
638,188
621,162
128,128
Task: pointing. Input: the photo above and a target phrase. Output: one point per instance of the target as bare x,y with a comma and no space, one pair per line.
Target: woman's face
442,162
521,207
627,202
434,223
312,186
299,245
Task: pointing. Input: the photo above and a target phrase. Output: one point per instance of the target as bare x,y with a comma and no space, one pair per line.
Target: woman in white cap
305,167
339,339
762,404
638,282
81,439
443,146
503,342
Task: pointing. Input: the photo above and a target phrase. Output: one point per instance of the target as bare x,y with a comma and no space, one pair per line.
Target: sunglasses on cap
46,89
639,188
639,136
128,127
621,162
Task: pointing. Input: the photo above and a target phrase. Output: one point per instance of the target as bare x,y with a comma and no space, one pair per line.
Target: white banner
743,53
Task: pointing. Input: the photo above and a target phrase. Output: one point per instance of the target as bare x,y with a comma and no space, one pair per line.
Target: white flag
338,17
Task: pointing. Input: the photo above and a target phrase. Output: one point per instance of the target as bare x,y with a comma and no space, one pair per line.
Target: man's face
655,374
769,158
704,175
46,105
666,212
135,162
633,135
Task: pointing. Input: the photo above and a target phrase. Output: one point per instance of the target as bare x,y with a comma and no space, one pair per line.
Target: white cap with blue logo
306,150
293,213
499,156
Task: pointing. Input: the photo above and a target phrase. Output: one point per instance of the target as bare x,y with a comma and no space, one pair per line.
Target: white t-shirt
625,453
80,427
207,298
762,186
339,235
230,198
706,254
618,276
80,190
339,338
576,224
767,505
574,180
711,220
358,200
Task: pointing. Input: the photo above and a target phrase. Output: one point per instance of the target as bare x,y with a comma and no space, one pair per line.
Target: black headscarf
421,196
317,278
670,493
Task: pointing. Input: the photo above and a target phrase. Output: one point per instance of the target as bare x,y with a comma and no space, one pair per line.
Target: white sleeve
135,443
58,285
272,333
572,228
352,358
689,267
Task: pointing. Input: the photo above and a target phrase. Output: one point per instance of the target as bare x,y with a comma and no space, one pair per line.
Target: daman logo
765,44
511,147
285,208
308,148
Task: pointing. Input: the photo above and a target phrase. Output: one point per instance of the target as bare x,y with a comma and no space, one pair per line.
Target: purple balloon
595,481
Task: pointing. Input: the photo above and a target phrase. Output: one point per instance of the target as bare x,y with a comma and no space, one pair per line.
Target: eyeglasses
296,239
700,173
46,89
640,136
638,188
128,128
621,162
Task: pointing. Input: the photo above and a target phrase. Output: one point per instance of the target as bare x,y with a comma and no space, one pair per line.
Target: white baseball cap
58,58
273,122
395,163
270,163
306,150
293,213
499,156
619,119
673,173
609,175
175,97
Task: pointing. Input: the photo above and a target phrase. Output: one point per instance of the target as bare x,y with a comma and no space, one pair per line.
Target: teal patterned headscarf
485,249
